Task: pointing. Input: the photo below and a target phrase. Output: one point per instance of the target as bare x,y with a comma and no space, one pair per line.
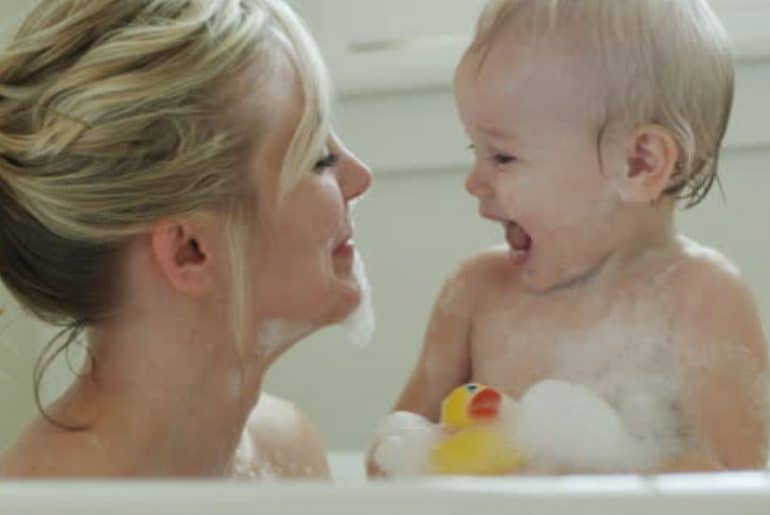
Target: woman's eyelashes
328,161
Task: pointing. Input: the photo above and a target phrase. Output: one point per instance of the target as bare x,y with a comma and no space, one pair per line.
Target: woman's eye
328,161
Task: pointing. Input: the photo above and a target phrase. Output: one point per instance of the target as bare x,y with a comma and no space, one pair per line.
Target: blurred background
392,62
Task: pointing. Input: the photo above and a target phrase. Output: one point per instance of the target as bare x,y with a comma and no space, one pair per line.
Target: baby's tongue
518,238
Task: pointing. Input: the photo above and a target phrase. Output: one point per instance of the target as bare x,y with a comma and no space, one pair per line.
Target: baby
590,121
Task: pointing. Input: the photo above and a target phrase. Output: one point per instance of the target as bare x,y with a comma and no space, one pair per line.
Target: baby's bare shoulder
705,271
486,272
713,301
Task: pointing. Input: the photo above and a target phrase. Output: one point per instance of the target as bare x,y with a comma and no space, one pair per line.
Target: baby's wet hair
664,62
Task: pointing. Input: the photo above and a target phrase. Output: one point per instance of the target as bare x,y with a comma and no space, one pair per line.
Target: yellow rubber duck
479,441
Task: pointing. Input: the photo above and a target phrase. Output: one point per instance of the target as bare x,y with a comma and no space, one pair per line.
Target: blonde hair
666,62
114,114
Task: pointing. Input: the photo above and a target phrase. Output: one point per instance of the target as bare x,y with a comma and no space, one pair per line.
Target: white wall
413,228
11,12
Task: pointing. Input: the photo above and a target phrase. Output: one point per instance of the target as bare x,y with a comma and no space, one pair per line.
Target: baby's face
534,119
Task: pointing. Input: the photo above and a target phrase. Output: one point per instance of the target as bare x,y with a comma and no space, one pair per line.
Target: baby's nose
476,185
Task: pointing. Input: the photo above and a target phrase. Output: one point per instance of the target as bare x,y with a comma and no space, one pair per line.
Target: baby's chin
543,278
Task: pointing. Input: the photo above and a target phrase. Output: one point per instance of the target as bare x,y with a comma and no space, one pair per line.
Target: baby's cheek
530,188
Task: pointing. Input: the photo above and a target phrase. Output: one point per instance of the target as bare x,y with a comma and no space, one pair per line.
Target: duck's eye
472,388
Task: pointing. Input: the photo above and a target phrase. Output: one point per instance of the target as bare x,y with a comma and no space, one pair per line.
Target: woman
170,186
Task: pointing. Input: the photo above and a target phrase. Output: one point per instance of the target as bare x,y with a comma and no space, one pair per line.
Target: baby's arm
444,362
726,374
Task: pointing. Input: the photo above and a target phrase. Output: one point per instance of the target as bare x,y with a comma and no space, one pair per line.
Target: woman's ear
651,157
185,251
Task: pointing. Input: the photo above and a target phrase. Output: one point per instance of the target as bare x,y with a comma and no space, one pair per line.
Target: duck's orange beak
485,405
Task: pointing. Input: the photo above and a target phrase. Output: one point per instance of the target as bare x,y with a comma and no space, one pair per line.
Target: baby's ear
651,157
186,251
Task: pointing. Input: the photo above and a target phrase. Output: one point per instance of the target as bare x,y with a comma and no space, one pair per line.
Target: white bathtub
729,494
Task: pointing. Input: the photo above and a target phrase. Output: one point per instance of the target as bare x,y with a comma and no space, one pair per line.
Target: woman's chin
347,301
354,288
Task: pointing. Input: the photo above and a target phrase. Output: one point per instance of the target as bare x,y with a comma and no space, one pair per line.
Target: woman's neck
166,394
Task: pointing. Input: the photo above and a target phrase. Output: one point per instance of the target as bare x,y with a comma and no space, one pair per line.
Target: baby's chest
628,357
624,351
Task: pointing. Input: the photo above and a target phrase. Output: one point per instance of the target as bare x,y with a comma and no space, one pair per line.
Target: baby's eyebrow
497,133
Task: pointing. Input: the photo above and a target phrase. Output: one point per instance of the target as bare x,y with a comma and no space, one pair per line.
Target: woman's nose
354,179
476,184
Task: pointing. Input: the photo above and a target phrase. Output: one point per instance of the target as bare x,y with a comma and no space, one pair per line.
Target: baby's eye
502,159
328,161
497,158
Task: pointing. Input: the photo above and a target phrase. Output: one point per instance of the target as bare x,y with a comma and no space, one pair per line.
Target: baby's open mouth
519,241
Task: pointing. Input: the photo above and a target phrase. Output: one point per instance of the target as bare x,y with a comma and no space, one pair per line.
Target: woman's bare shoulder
43,450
